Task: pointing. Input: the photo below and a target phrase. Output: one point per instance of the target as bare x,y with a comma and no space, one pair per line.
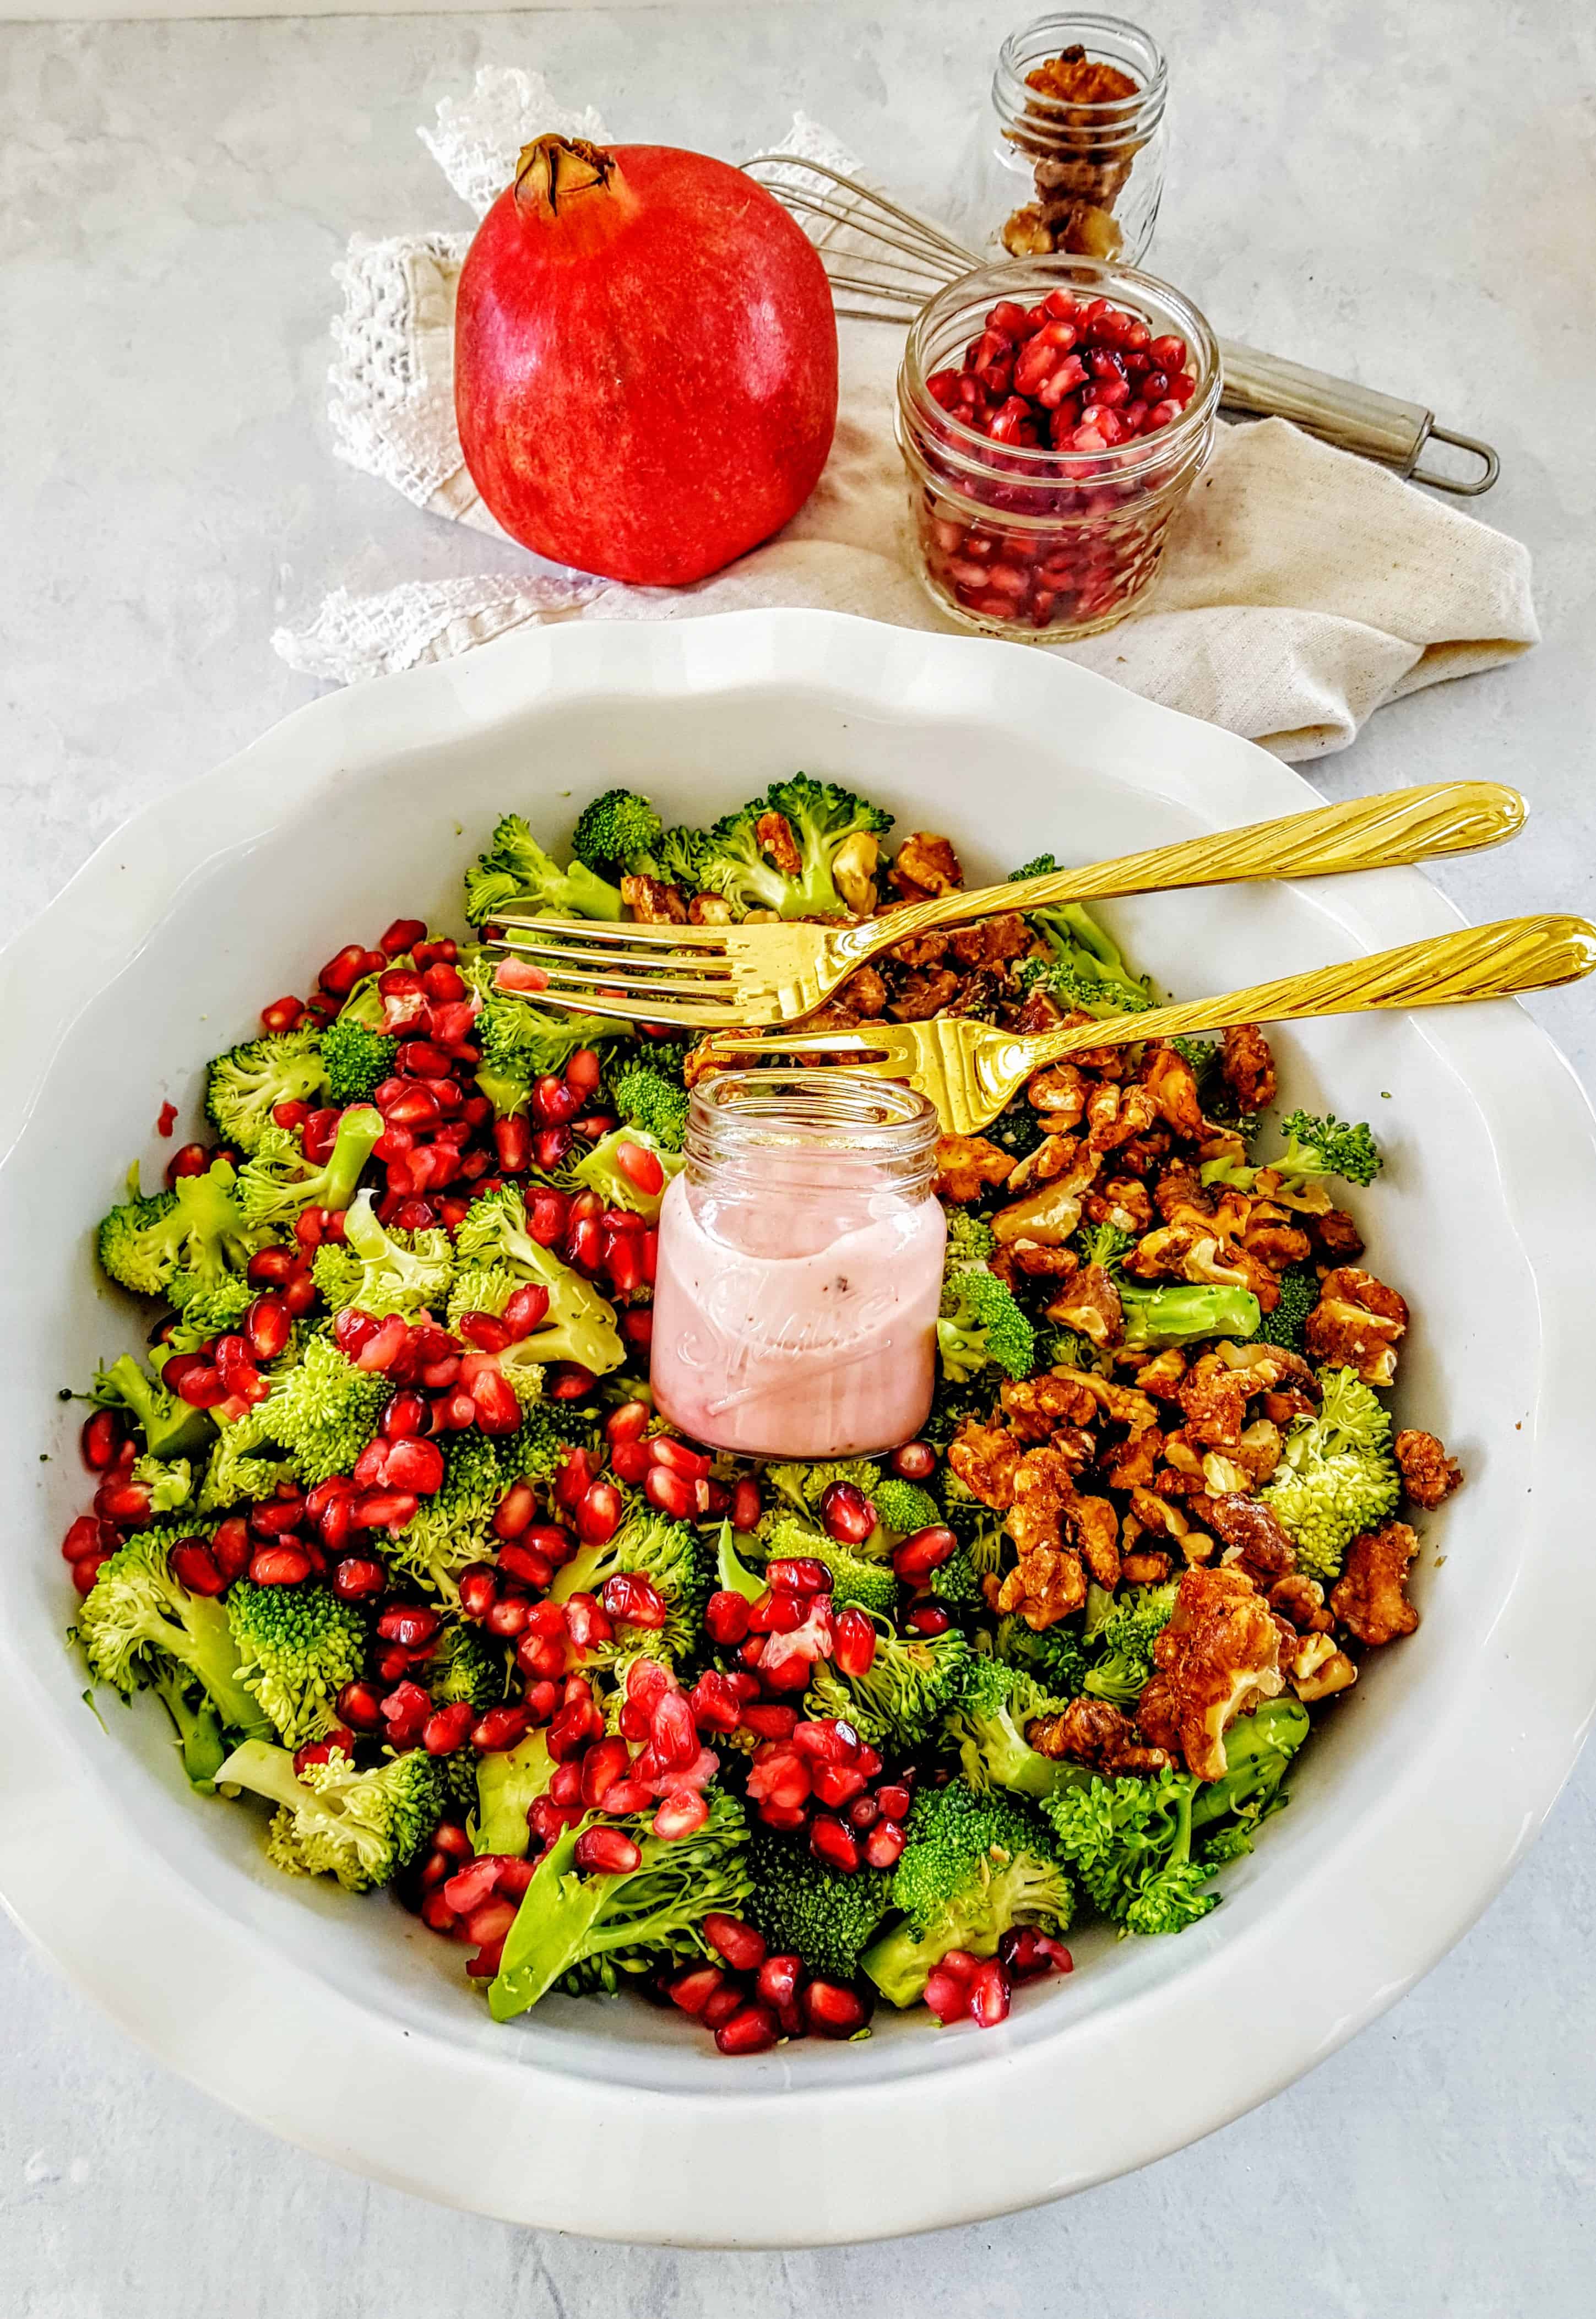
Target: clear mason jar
1071,148
799,1265
1039,541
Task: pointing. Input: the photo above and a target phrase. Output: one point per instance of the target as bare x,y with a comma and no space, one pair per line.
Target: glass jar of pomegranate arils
1053,415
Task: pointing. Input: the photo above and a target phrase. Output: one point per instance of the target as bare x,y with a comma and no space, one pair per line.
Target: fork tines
671,973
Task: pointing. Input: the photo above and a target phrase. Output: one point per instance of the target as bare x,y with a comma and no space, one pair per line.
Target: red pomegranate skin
645,371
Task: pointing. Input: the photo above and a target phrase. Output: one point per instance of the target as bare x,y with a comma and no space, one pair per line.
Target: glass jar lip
1012,91
1021,463
736,1113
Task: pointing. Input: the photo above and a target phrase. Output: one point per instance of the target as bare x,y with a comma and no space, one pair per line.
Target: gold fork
721,977
969,1070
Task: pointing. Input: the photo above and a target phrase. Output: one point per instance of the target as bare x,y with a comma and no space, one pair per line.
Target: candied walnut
1060,1087
1095,1526
1040,1011
1161,1374
1116,1113
1048,1580
703,1062
1132,1464
1180,1195
1288,1402
772,834
1048,1216
1428,1474
1257,1542
1369,1598
1275,1243
928,863
1038,1260
1300,1601
1319,1670
1356,1324
836,1014
1338,1236
1090,1731
1257,1453
920,950
990,941
1091,1305
866,993
1035,1405
1214,1402
1247,1066
853,872
710,910
925,993
1053,1157
1169,1081
1024,234
1045,1585
985,1459
1120,1201
1218,1656
1149,1569
966,1165
1121,1405
655,903
1142,1153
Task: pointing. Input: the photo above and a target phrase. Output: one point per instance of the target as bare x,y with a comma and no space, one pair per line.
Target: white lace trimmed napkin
1302,588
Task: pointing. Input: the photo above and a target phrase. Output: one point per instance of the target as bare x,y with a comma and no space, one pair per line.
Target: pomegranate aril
693,1991
282,1015
568,1381
751,2030
833,2010
778,1979
607,1852
854,1645
445,1730
604,1763
192,1566
742,1947
846,1514
830,1841
669,1493
498,1729
279,1565
928,1619
101,1439
988,1995
947,1995
884,1844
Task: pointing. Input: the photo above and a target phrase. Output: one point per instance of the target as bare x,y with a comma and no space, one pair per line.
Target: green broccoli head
243,1087
904,1507
1054,1658
981,1325
207,1313
453,1528
1259,1749
196,1726
1181,1314
1086,969
1120,1643
237,1473
1327,1147
902,1697
971,1241
358,1058
383,1270
279,1182
800,851
137,1616
515,873
467,1668
361,1827
521,1042
869,1584
297,1647
618,831
1287,1323
1129,1841
645,1099
578,1326
323,1411
977,1862
568,1919
803,1485
806,1909
200,1232
987,1725
603,1168
1336,1475
664,1552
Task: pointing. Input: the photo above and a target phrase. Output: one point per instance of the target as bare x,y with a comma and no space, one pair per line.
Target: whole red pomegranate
645,361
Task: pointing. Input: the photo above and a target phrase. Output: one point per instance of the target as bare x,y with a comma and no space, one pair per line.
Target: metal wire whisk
887,262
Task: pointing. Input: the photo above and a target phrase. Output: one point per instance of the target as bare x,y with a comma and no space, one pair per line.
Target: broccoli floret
451,1528
194,1721
1037,867
1336,1475
508,1781
1054,1658
1315,1148
599,1169
617,831
1086,969
171,1428
136,1617
1104,1245
516,874
169,1480
666,1554
987,1727
567,1919
833,833
646,1099
804,1908
279,1183
981,1324
237,1474
1259,1749
323,1409
1130,1843
361,1827
804,1486
954,1405
385,1271
869,1584
243,1087
1287,1323
197,1234
466,1668
971,1240
209,1312
578,1326
903,1695
977,1862
1121,1643
956,1585
358,1058
521,1042
1180,1314
904,1507
297,1647
1066,1348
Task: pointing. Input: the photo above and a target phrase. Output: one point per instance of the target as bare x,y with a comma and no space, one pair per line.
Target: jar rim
1021,463
733,1112
1009,85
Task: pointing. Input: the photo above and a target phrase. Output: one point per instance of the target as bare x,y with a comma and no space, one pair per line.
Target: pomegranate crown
552,170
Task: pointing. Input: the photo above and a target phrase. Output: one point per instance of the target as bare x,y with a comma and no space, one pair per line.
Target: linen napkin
1302,588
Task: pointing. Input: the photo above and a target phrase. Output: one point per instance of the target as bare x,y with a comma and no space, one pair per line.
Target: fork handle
1376,832
1478,962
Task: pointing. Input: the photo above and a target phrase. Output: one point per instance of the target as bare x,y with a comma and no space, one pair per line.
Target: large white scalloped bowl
341,2024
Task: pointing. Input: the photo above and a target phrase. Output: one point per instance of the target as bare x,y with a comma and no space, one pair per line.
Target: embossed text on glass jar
1043,474
800,1261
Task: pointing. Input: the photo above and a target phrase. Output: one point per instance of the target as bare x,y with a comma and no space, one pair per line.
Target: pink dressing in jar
800,1265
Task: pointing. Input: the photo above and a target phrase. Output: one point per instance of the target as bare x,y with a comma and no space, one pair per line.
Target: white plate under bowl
342,2023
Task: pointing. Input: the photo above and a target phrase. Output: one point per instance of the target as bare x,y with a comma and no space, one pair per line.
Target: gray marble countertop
1405,195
